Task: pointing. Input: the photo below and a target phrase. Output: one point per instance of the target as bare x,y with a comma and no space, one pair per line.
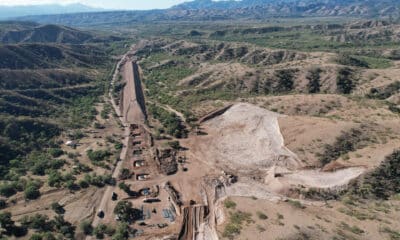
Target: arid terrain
167,127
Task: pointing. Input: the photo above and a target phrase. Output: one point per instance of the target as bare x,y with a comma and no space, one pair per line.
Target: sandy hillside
245,137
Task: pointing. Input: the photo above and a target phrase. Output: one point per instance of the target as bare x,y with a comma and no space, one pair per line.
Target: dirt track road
106,204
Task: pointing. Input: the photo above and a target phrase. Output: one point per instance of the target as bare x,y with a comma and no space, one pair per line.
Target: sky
108,4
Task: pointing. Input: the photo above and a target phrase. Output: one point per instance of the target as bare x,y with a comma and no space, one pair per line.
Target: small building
139,163
70,143
137,152
142,177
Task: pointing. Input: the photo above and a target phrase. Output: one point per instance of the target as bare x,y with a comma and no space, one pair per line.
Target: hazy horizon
115,4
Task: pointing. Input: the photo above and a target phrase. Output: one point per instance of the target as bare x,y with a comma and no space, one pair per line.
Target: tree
126,212
314,76
103,229
122,232
57,208
125,174
6,222
86,228
37,222
344,81
64,227
83,184
32,191
36,236
3,203
56,152
7,190
285,81
55,179
174,144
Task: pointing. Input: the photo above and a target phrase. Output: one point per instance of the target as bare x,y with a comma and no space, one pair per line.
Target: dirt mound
245,137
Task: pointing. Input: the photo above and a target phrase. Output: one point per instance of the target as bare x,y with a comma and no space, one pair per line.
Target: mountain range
7,12
208,10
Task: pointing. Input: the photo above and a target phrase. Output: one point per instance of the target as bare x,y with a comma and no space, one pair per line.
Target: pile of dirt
245,138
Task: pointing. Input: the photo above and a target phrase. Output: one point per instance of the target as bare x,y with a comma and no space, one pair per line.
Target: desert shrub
40,163
394,108
36,236
171,122
118,145
345,81
37,222
6,222
101,230
314,77
86,227
229,203
98,156
174,144
57,208
125,174
347,142
296,204
383,182
31,191
285,81
56,179
122,232
106,111
126,212
3,203
261,215
7,189
55,152
63,227
234,225
83,184
350,60
385,92
99,180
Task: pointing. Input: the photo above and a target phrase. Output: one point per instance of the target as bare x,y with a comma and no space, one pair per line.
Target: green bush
383,182
86,227
36,236
126,212
31,191
345,81
234,225
347,142
384,92
171,122
56,152
6,222
262,216
314,78
99,155
7,189
174,145
229,203
122,232
57,208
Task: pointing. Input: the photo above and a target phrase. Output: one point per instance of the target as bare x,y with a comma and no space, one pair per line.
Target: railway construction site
179,192
211,128
168,200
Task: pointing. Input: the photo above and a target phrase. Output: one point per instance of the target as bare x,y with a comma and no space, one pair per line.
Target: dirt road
131,77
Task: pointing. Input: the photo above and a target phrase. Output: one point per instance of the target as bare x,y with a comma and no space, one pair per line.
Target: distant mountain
208,10
12,32
7,12
294,4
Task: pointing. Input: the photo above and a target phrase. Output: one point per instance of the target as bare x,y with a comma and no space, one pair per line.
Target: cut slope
244,138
